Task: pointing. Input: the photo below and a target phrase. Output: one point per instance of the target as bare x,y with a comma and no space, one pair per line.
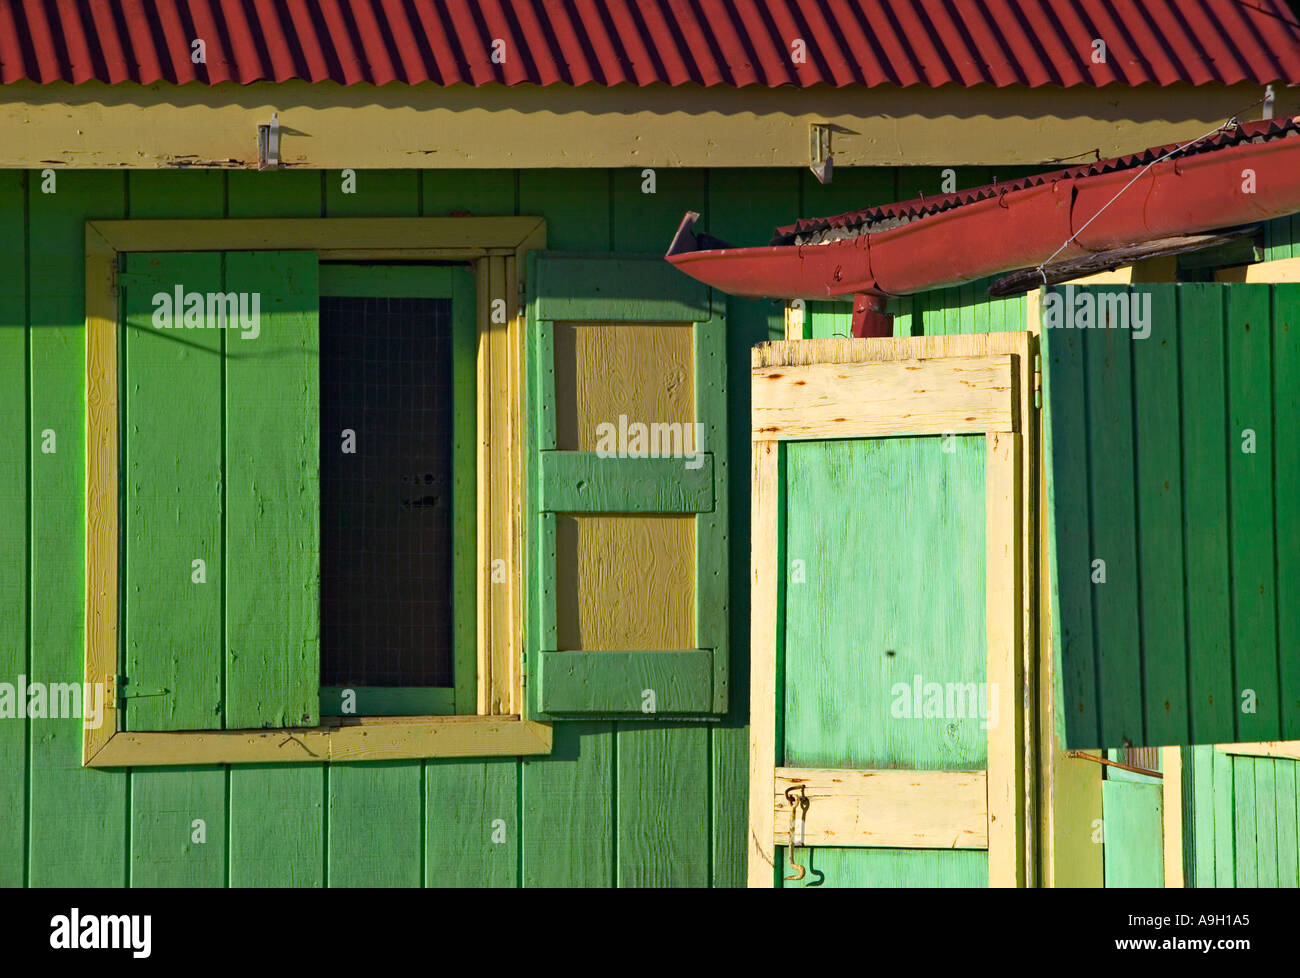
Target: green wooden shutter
576,496
220,447
1170,467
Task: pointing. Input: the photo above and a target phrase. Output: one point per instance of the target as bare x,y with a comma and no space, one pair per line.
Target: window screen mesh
386,543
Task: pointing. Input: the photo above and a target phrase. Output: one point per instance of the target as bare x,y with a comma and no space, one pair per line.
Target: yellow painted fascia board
426,126
499,246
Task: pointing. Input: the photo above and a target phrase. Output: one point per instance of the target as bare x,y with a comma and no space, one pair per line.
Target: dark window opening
386,507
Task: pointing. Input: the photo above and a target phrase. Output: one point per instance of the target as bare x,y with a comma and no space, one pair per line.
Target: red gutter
958,238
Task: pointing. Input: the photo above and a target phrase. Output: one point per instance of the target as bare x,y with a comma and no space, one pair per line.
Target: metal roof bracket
268,145
819,151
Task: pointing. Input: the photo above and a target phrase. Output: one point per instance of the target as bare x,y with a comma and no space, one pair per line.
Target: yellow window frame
496,246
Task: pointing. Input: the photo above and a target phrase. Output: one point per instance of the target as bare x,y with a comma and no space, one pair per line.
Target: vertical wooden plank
853,188
275,193
645,222
464,340
1246,849
1203,809
1225,829
1069,789
375,193
1171,766
1288,859
483,481
275,825
176,194
712,573
568,809
515,524
477,192
729,788
166,802
1003,622
14,557
1250,497
663,771
1114,533
78,818
741,207
765,599
1205,502
663,805
171,492
372,193
273,496
472,823
495,517
1266,817
1069,529
178,827
291,844
1133,832
375,815
576,207
724,745
1286,475
1158,471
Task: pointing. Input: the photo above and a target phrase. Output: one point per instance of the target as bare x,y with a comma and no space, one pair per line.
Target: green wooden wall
1173,459
617,803
1240,819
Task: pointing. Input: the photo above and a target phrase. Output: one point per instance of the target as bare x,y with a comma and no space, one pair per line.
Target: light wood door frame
839,388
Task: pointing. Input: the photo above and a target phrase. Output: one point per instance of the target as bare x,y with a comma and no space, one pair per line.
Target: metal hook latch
798,809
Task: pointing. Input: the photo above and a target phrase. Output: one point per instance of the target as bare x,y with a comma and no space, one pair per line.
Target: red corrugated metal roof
641,42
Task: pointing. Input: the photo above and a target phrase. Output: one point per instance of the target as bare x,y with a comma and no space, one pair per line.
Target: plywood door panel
852,663
625,582
644,372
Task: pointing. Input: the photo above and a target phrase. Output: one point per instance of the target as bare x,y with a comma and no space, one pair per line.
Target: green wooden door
1172,461
888,569
220,490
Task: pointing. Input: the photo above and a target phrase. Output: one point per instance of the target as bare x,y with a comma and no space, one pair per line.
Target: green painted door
896,673
884,615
